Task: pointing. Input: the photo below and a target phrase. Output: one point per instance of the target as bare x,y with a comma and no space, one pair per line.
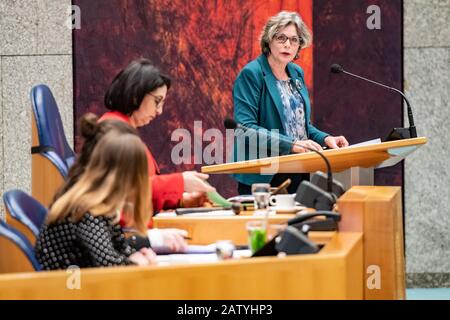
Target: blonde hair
117,168
280,21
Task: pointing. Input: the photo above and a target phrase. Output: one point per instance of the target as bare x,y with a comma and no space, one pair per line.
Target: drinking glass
261,193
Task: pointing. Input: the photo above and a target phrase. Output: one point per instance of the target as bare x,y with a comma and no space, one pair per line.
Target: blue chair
51,154
24,213
16,252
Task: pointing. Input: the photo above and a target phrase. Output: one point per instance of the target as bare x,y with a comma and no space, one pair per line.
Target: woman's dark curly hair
92,131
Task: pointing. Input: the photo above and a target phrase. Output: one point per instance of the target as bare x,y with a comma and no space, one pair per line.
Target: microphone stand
396,133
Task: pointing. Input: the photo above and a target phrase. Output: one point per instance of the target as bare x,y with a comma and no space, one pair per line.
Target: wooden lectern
355,163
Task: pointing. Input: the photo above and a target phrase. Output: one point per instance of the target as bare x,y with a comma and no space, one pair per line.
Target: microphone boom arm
397,133
408,105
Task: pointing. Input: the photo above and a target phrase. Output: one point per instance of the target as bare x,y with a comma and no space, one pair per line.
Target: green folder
217,199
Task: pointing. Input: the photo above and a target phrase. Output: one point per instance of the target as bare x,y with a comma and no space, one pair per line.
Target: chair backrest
22,210
16,252
52,140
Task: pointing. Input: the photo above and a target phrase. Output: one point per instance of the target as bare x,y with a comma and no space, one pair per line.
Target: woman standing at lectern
270,94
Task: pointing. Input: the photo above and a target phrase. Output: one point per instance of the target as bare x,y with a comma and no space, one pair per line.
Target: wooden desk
377,212
374,211
368,246
206,230
336,272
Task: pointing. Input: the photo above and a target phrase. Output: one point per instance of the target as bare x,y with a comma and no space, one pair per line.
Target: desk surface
206,230
339,264
370,235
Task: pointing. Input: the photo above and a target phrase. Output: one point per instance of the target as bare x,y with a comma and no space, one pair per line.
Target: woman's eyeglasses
282,38
158,100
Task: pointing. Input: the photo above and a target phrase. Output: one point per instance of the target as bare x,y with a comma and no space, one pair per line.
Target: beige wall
427,172
35,47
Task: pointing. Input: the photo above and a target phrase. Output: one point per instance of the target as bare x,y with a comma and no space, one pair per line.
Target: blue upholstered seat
20,243
25,209
52,141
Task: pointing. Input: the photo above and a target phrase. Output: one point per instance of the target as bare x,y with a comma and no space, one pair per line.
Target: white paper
172,259
166,214
242,198
210,248
186,258
366,143
214,213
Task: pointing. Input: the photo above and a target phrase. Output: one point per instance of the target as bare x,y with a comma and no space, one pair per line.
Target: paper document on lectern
366,143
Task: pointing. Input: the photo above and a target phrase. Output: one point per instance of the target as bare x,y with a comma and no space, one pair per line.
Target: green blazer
258,105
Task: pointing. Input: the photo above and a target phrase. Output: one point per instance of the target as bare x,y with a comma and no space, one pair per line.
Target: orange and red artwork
203,44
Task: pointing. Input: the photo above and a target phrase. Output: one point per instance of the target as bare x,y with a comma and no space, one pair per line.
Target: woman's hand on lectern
300,146
336,142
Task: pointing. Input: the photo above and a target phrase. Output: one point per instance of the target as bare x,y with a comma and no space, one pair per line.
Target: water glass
261,193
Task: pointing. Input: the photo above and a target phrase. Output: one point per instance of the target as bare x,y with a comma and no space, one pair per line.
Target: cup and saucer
285,203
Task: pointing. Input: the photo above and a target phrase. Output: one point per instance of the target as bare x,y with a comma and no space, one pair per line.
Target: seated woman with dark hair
82,227
136,96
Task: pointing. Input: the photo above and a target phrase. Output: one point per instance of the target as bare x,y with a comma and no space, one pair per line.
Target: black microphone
396,133
232,124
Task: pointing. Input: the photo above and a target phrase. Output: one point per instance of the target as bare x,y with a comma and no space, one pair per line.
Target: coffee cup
285,201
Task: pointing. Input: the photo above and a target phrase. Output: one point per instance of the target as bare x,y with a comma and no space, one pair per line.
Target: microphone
396,133
232,124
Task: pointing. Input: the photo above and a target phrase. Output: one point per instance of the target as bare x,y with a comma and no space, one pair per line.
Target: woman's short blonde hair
280,21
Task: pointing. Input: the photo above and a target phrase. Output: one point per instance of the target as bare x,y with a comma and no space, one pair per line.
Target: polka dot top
90,242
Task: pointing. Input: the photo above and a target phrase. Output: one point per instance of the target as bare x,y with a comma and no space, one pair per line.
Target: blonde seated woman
92,131
83,227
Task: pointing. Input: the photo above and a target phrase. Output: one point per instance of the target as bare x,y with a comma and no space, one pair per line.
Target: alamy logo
374,278
74,17
250,144
374,20
74,280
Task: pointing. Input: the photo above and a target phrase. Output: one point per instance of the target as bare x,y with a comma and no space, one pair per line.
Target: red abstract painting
201,44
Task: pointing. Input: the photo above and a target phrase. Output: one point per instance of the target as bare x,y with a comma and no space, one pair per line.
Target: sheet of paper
172,259
167,214
215,213
210,248
191,249
242,198
186,258
366,143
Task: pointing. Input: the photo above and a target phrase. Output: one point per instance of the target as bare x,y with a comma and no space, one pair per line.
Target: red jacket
167,189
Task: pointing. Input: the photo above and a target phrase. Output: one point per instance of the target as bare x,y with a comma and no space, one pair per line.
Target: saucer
288,209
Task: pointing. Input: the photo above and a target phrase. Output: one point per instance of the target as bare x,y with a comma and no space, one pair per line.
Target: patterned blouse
90,242
294,110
